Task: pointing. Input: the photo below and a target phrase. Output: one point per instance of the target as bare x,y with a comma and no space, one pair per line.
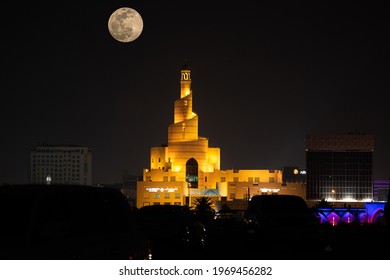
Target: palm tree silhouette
203,209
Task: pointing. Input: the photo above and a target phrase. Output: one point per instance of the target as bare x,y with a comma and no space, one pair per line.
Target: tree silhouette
204,210
203,203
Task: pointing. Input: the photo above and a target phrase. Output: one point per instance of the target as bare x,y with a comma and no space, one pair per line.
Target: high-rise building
187,167
61,164
339,167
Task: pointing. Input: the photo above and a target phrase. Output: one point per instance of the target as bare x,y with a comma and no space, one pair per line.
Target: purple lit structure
373,212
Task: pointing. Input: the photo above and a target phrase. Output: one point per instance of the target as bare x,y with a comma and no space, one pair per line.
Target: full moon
125,24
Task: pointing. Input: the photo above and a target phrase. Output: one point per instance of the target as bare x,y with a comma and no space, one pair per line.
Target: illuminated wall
153,193
372,212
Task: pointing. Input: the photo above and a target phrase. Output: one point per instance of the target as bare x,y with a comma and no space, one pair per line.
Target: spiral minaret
185,126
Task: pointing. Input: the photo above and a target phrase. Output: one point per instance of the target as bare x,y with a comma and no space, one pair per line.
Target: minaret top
185,81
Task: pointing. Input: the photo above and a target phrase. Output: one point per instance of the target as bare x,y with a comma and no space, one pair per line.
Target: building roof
339,142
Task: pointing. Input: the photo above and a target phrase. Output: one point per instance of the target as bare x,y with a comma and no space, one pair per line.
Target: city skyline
263,76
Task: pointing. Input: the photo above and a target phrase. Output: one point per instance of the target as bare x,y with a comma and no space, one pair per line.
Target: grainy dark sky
263,75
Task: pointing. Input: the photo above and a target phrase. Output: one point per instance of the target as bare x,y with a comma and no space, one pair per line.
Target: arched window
192,173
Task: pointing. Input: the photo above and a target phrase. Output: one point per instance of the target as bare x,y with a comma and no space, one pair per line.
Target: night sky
263,76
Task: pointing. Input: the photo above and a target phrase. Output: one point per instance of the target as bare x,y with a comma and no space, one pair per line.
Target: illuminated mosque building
187,167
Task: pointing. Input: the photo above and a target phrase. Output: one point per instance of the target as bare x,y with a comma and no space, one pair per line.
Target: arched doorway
192,173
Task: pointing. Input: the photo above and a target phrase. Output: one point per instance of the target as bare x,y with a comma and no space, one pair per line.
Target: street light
189,194
247,197
48,180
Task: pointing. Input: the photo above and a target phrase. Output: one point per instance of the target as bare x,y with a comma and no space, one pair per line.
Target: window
167,196
205,179
223,179
165,178
148,179
173,178
257,179
192,173
177,195
177,203
232,196
156,195
271,179
250,179
156,203
167,203
235,179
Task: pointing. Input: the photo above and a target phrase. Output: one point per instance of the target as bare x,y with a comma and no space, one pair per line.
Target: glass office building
339,167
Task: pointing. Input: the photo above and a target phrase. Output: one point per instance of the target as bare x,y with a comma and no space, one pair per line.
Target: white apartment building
61,164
